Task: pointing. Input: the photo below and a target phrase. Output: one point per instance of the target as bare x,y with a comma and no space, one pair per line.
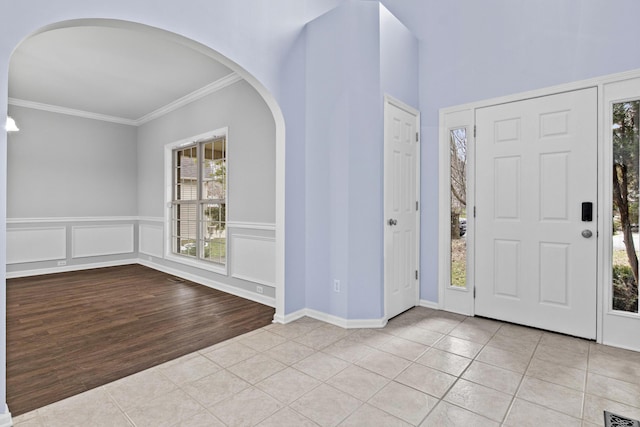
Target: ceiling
116,72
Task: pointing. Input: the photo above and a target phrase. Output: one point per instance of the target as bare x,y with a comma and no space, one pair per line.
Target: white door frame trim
450,298
389,100
465,304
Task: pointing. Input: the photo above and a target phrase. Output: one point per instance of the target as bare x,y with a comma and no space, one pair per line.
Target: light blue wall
293,106
326,171
344,151
364,162
398,59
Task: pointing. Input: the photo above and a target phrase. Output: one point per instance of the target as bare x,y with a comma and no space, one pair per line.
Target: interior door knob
586,234
392,221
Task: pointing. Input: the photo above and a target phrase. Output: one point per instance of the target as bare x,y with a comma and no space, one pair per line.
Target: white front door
536,167
401,207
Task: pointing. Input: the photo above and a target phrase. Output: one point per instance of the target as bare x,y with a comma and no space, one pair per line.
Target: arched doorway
278,138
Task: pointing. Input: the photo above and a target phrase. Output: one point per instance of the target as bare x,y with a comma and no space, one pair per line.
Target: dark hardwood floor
71,332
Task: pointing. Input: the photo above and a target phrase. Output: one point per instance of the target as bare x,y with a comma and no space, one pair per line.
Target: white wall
251,151
66,166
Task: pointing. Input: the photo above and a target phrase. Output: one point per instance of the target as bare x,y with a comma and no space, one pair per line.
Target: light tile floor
425,368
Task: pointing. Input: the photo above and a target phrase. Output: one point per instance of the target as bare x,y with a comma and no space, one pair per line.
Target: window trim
168,198
453,298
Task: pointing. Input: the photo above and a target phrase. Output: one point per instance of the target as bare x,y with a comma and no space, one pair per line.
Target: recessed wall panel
253,258
554,273
151,238
554,191
507,188
36,244
99,240
506,267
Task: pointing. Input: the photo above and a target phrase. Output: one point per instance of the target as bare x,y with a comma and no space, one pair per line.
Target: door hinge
474,293
474,131
417,205
416,274
474,211
417,136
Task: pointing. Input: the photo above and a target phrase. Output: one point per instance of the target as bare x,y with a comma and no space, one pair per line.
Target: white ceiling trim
213,87
219,84
70,111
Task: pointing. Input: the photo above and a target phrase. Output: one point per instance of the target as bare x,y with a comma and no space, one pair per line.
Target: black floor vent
613,420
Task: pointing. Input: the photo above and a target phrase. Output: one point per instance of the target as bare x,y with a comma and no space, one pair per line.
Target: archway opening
131,221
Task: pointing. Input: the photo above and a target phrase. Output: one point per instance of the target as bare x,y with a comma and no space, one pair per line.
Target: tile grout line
467,368
411,362
586,384
524,374
458,377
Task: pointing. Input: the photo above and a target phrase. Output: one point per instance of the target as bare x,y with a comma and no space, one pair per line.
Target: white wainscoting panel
98,240
151,239
36,244
253,258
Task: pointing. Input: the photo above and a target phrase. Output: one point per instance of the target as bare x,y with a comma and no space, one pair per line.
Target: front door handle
586,233
392,221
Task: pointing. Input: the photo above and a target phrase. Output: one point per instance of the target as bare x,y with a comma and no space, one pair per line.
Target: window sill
620,313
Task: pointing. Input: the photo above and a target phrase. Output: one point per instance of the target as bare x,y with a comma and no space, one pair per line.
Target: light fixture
11,126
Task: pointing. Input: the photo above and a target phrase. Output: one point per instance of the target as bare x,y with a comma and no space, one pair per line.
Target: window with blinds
199,200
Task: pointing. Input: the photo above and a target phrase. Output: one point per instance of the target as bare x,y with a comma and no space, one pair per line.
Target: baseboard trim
270,301
429,304
5,418
331,319
288,318
68,268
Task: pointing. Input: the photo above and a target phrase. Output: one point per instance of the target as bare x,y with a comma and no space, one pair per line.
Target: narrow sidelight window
199,201
625,206
458,199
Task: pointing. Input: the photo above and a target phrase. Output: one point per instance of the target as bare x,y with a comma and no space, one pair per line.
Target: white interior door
401,203
536,163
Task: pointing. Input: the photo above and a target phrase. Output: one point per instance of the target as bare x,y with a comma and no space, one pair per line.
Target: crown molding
213,87
70,111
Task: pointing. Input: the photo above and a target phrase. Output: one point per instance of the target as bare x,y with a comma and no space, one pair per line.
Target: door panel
400,195
536,164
